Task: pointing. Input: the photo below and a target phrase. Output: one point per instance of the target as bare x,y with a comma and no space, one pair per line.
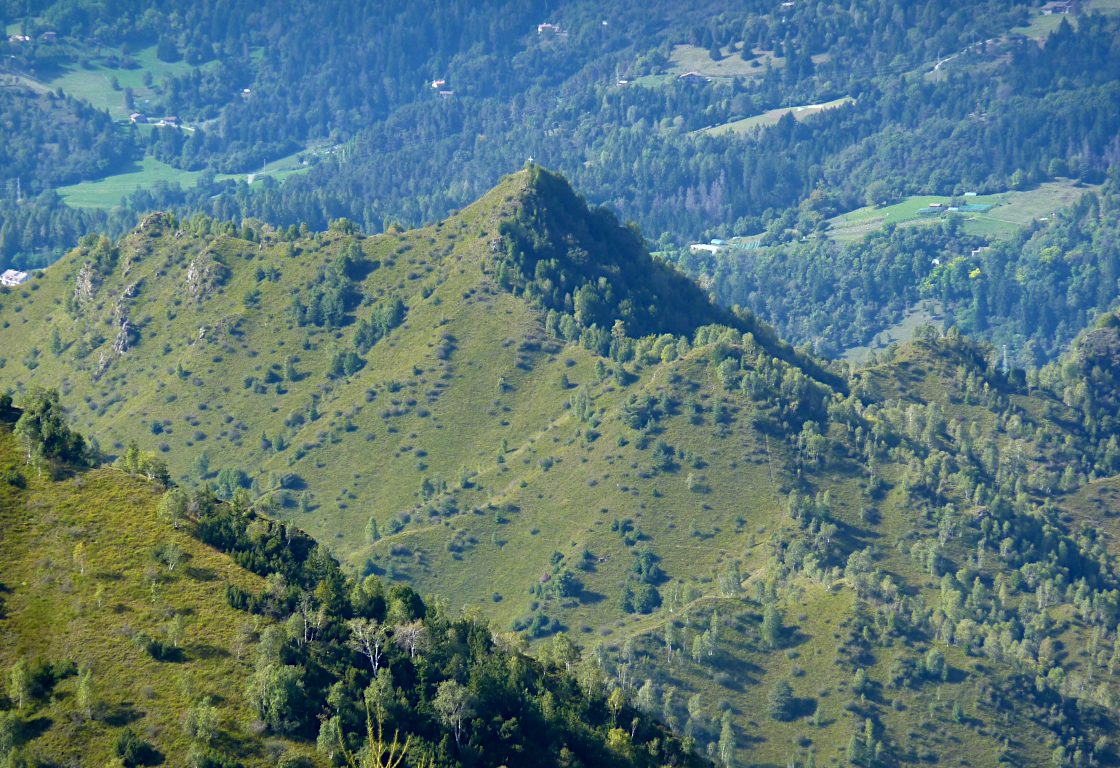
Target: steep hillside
284,360
672,528
131,640
117,620
782,560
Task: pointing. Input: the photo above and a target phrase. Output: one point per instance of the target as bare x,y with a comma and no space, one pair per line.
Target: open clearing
1010,212
95,85
108,192
772,116
692,58
1040,25
924,312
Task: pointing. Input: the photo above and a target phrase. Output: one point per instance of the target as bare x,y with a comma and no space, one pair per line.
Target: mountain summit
569,258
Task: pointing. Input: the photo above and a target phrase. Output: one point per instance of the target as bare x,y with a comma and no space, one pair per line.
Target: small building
937,205
445,94
691,77
936,262
49,36
705,248
1057,6
19,38
13,278
953,208
549,28
970,194
438,84
717,241
170,120
137,117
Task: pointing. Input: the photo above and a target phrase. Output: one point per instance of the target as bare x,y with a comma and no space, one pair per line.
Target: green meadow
1010,211
772,116
148,172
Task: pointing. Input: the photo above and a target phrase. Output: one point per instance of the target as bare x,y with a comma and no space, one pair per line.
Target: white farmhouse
13,277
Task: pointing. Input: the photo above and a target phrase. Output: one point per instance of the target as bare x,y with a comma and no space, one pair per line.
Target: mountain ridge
702,511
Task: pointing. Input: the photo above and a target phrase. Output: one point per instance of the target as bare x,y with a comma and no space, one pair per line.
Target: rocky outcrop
205,274
86,283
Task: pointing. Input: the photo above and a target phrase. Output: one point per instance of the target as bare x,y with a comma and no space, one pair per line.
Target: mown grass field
691,58
1041,26
1010,212
771,117
109,191
148,172
95,84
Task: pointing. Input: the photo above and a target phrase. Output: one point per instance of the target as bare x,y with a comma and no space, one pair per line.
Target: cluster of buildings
718,245
1058,6
46,37
141,119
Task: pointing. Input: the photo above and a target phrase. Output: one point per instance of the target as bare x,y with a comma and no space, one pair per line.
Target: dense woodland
1034,292
52,140
642,157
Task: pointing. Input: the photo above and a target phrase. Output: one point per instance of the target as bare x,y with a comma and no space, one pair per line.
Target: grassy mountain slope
212,362
713,512
718,521
123,650
82,586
